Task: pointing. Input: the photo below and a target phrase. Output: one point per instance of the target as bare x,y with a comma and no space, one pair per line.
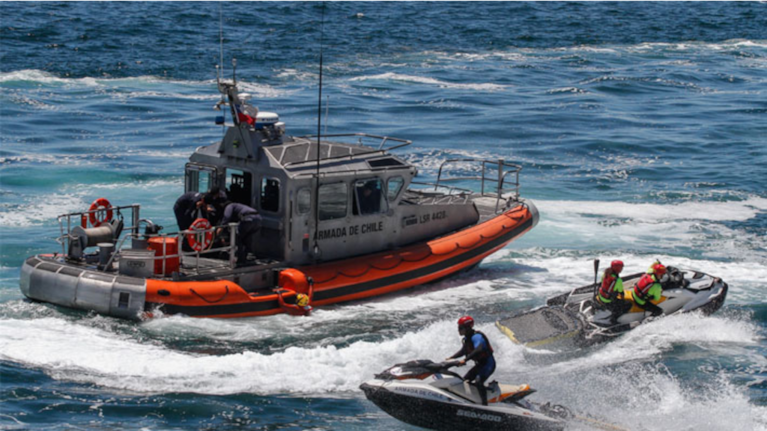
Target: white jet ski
573,319
429,395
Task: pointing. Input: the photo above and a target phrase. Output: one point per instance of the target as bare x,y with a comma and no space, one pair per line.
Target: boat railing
380,147
71,220
440,194
497,178
68,222
199,234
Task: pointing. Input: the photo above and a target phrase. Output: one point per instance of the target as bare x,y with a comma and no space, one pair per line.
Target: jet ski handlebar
418,369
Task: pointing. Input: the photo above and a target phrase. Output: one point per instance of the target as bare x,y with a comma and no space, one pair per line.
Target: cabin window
198,178
304,201
333,199
393,187
239,186
270,194
369,197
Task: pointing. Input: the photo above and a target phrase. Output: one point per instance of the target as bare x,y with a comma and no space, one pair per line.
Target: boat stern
46,279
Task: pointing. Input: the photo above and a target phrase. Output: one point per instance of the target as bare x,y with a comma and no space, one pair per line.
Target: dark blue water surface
641,129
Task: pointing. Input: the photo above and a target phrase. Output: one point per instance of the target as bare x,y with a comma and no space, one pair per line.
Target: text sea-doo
347,215
572,319
429,395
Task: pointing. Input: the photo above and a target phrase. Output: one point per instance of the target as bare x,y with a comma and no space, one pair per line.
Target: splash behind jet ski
574,319
429,395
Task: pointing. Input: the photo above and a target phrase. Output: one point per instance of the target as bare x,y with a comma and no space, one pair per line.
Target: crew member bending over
648,288
250,224
476,347
193,205
610,294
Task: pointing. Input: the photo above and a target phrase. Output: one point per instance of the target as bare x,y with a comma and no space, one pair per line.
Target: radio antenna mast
319,130
221,37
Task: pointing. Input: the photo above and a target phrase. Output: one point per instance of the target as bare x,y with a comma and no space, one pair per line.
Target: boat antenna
327,111
221,37
319,130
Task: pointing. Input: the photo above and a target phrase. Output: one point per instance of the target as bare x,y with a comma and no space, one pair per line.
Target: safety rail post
232,244
500,181
197,252
482,192
164,253
439,175
61,230
118,247
135,210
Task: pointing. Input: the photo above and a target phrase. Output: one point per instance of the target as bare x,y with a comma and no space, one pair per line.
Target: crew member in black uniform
193,205
250,224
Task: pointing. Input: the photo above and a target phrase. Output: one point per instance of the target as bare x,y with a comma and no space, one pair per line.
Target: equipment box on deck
137,263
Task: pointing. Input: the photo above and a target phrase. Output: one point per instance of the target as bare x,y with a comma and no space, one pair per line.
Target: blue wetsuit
477,348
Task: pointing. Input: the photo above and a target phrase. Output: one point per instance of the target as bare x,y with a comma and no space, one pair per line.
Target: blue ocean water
641,129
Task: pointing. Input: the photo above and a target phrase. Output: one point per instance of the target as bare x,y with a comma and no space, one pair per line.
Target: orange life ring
200,240
100,212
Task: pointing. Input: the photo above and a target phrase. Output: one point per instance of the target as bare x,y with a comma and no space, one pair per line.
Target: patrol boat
343,218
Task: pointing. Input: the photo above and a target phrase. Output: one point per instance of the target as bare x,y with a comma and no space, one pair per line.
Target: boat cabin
349,197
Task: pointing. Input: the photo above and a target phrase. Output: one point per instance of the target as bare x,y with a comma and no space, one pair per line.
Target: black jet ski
429,395
572,319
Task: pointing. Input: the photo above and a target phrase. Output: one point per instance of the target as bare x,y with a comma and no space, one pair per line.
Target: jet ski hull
571,320
435,411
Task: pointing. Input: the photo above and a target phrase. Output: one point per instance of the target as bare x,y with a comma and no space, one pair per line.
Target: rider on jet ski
476,347
610,295
649,288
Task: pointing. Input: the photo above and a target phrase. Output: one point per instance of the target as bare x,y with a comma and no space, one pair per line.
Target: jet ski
429,395
575,319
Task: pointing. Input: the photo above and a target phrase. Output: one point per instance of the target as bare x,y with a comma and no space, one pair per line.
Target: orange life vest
643,286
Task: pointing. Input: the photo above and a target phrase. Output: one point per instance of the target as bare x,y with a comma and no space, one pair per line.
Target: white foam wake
86,354
390,76
623,372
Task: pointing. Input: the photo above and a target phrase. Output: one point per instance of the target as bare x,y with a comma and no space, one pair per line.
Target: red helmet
466,322
617,266
659,269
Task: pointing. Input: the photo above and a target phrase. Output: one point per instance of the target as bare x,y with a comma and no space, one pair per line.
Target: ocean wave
390,76
649,212
42,211
39,76
524,54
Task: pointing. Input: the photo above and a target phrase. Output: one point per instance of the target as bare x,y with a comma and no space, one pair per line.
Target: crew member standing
476,347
